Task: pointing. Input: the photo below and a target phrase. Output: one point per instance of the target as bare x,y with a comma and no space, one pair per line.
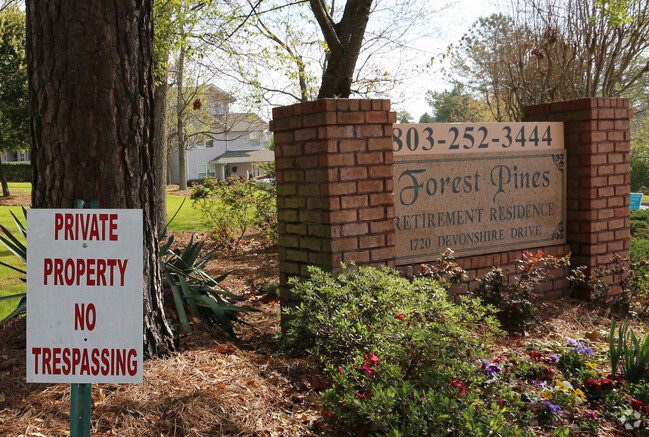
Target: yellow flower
579,393
591,365
547,395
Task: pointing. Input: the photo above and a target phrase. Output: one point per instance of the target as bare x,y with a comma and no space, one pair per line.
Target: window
202,171
255,139
200,143
210,143
205,170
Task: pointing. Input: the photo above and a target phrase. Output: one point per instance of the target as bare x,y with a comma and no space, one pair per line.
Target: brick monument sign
354,186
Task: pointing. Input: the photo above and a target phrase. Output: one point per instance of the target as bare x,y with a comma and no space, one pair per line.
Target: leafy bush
17,171
232,206
402,357
624,286
516,302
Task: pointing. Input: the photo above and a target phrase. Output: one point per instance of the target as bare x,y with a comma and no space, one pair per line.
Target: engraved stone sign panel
478,203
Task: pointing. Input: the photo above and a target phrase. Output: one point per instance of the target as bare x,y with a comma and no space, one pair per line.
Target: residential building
221,143
17,156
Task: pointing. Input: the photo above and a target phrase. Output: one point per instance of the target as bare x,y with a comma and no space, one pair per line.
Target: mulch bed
214,386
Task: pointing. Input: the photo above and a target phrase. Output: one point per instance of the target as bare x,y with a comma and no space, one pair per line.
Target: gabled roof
242,122
237,156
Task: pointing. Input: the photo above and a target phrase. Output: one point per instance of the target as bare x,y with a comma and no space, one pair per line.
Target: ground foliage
220,386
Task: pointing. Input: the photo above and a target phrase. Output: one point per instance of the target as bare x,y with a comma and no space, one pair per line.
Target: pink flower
368,369
372,358
360,396
458,384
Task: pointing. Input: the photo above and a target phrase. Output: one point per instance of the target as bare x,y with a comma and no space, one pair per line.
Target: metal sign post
81,394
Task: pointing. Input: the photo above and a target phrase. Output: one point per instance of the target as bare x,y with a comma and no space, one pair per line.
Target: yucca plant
194,291
629,352
19,249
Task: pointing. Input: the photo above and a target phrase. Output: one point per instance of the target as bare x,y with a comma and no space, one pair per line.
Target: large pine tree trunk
90,68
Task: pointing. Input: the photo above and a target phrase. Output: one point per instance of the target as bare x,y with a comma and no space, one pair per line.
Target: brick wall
597,138
334,184
335,187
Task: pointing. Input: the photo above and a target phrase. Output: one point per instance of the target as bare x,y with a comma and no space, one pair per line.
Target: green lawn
188,219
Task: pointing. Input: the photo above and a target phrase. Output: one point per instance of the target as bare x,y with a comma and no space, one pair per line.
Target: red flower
340,370
400,316
500,403
329,415
372,359
637,405
368,369
606,384
536,355
360,396
591,384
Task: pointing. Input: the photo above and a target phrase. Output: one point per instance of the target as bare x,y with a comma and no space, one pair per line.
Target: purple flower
553,358
492,368
572,342
582,349
525,398
553,407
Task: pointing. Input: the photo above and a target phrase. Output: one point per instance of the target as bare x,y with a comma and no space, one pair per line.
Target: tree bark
90,69
180,121
3,180
160,130
344,40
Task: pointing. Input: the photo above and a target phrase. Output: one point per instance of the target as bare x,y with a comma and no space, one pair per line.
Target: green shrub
516,302
17,171
402,357
232,206
639,249
624,286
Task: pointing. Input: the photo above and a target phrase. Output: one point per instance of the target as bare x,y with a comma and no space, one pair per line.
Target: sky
453,23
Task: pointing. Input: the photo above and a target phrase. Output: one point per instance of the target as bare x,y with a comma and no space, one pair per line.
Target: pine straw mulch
214,386
219,386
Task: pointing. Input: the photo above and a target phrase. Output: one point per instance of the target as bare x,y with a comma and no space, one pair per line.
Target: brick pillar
334,185
597,138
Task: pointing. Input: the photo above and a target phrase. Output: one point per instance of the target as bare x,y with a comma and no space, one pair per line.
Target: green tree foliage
426,118
404,116
457,106
14,113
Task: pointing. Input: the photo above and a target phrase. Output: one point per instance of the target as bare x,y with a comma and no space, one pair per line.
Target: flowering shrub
402,358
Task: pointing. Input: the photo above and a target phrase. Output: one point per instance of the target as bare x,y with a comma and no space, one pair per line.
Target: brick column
597,138
334,184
